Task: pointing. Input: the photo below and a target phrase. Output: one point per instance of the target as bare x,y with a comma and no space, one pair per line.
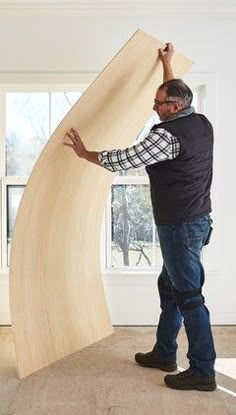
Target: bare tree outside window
30,120
132,226
27,130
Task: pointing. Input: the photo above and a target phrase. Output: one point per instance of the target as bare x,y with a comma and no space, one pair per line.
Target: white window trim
208,82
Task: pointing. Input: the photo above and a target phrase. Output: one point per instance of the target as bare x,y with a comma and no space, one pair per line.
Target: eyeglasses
158,103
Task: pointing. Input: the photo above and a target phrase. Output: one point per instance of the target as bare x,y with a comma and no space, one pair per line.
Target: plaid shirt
159,145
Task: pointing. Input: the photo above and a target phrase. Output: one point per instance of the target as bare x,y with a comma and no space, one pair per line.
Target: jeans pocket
196,232
207,240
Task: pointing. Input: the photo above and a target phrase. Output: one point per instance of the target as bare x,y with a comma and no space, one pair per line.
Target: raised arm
94,156
165,56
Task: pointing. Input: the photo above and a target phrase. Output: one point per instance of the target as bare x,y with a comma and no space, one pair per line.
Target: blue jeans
179,285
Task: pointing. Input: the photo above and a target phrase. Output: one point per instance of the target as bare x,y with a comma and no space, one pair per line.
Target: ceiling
220,8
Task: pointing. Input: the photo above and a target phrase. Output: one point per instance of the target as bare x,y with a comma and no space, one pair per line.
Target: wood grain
57,296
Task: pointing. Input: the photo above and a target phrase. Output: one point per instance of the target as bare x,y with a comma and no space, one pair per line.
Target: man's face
163,108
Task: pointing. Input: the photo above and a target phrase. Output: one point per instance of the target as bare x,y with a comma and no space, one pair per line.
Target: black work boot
148,360
188,380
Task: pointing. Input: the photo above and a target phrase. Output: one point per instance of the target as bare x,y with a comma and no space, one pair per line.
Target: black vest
180,188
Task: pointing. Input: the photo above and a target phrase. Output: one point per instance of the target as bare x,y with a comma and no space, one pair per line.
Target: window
29,117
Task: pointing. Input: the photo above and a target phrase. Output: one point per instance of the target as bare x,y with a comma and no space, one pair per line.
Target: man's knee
189,300
164,287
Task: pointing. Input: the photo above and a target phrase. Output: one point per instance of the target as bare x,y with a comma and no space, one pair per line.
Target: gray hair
177,90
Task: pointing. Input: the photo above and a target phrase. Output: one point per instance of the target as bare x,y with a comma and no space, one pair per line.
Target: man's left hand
77,144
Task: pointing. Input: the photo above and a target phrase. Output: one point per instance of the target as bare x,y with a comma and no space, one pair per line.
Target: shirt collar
183,113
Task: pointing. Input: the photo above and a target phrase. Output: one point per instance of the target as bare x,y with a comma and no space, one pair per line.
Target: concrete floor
104,380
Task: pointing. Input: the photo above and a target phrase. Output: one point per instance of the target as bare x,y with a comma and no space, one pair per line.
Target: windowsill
130,271
211,272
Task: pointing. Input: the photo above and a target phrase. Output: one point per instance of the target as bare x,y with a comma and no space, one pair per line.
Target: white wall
74,44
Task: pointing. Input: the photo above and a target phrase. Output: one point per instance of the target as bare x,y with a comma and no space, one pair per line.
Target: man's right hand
166,54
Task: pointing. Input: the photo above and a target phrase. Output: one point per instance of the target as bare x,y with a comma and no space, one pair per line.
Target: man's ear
177,107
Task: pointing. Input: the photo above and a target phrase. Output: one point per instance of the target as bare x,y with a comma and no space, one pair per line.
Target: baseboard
150,319
146,319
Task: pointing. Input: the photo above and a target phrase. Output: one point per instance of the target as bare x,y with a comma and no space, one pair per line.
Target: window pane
132,226
61,103
27,130
14,195
195,100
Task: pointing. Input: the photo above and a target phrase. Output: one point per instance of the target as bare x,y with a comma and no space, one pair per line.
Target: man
178,153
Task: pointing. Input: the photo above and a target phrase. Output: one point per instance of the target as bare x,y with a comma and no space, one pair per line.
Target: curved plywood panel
56,292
